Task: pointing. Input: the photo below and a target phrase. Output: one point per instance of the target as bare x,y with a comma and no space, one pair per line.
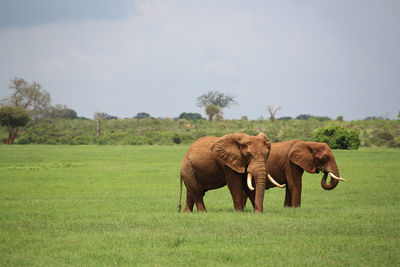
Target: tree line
27,110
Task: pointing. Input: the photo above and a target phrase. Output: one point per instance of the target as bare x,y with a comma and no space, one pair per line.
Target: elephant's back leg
195,191
194,195
189,203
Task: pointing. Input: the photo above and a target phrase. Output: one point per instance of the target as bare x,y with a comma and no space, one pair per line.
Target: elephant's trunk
332,184
260,189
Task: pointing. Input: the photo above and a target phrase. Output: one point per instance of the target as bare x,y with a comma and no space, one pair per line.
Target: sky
324,58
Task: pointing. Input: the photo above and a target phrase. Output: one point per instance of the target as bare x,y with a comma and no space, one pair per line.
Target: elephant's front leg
235,185
249,194
294,185
288,198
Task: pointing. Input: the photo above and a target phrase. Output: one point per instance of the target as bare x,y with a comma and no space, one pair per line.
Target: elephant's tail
180,195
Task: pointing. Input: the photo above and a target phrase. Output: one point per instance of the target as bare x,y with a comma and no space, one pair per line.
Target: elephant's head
242,153
315,157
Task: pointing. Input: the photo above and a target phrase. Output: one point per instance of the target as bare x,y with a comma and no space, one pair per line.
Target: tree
218,99
304,117
372,118
321,118
272,111
107,116
142,115
285,118
13,118
62,112
339,118
398,115
31,97
190,116
212,110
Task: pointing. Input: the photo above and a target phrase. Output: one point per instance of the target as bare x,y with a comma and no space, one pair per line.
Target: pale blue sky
324,58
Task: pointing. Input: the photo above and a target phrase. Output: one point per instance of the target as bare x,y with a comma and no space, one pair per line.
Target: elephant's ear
265,138
227,151
301,154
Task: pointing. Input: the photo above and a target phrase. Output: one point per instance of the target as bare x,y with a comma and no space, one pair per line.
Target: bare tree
98,117
272,111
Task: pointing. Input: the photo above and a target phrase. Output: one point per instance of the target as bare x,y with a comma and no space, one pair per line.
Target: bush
102,140
24,140
337,137
393,144
81,140
176,139
138,140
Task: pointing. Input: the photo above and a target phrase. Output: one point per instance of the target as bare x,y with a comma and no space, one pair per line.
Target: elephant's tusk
337,178
274,182
249,177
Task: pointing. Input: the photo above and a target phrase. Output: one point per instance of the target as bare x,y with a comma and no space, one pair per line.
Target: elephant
288,160
213,162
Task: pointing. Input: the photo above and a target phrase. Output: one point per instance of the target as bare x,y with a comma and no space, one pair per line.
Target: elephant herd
249,165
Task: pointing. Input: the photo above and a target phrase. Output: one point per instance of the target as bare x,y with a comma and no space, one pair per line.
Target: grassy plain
117,205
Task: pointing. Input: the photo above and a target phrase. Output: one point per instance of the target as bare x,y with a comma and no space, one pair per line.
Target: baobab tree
272,111
212,110
215,101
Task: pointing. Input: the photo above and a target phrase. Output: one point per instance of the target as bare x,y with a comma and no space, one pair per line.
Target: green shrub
394,143
176,139
102,140
138,140
337,137
81,140
50,141
24,140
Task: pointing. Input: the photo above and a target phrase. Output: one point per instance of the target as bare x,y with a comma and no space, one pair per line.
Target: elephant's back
200,160
281,149
204,143
201,148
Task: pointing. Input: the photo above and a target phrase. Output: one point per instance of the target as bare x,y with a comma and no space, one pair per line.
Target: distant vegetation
38,122
372,133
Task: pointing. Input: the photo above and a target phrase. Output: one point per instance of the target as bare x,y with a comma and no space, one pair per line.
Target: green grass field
117,205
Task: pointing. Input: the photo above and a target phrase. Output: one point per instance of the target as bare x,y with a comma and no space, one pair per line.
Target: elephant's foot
187,209
200,206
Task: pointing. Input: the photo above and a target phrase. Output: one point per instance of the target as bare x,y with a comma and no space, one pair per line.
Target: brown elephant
288,160
213,162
